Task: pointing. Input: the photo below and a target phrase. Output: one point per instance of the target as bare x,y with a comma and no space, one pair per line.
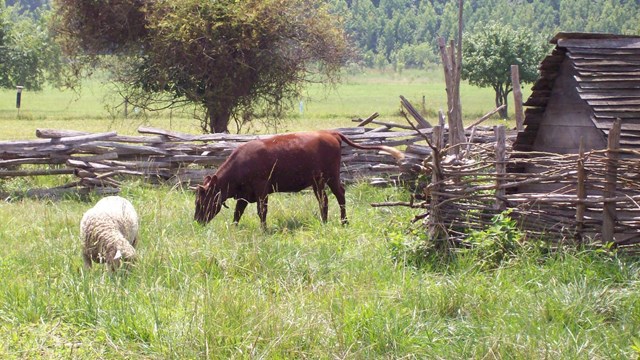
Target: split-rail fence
98,162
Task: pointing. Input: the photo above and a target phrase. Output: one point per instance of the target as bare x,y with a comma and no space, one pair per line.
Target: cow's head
208,200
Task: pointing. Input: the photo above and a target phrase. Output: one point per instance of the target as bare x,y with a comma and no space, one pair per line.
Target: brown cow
282,163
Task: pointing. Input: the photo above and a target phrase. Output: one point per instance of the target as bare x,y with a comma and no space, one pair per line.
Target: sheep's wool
109,232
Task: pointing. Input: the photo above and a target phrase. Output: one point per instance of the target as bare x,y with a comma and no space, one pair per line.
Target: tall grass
300,289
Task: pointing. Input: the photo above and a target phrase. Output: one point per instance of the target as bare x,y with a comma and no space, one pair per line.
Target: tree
488,54
28,5
233,59
4,27
28,56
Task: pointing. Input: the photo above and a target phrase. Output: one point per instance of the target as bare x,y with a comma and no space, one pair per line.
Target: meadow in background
300,289
360,95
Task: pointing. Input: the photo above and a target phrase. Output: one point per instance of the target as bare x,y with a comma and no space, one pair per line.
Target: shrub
498,243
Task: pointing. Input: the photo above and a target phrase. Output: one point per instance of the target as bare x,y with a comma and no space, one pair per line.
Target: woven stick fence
590,197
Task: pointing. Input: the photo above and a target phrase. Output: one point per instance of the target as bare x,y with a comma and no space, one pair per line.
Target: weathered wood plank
613,63
367,120
605,122
622,77
614,102
612,94
70,140
15,173
618,43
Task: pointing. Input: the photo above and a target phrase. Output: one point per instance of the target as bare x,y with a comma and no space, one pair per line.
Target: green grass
300,289
359,95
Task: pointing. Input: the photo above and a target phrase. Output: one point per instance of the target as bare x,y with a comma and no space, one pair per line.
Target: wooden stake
517,97
435,228
500,165
581,193
611,177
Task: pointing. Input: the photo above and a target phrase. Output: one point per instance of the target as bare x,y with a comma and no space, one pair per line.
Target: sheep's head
122,258
208,200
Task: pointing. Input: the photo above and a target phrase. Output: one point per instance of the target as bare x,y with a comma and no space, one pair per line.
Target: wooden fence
99,161
590,197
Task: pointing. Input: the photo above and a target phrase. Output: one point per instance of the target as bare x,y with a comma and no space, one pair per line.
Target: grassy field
323,107
300,289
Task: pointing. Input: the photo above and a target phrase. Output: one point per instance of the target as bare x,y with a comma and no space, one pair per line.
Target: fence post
435,224
581,194
610,178
517,97
18,97
452,66
501,166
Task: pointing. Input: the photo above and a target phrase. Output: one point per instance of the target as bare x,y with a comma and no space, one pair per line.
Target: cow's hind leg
338,190
241,204
323,200
263,203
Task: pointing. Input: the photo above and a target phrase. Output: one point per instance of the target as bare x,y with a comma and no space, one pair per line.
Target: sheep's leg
87,260
241,204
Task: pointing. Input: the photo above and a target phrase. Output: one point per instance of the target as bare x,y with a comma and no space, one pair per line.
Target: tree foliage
234,59
100,27
488,53
145,34
396,31
28,56
28,5
404,32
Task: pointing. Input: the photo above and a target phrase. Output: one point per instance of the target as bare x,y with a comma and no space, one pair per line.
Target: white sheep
109,232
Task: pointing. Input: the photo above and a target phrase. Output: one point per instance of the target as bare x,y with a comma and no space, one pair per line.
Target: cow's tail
397,154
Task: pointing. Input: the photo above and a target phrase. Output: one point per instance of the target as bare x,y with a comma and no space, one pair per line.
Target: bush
496,244
413,249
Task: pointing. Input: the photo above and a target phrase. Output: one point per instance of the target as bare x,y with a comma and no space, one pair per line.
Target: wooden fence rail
100,160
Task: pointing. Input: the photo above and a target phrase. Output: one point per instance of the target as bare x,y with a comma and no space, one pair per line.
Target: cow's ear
207,180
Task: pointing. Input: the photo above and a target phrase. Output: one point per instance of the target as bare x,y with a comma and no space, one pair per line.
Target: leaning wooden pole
452,64
611,177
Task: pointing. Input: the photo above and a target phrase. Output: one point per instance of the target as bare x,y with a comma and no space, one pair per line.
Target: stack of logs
99,161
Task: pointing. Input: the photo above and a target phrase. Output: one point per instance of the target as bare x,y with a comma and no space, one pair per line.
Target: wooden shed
588,81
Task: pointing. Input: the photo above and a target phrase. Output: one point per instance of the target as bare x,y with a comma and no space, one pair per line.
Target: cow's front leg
241,204
263,203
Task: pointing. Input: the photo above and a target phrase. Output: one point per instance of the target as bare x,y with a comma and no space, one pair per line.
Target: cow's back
289,162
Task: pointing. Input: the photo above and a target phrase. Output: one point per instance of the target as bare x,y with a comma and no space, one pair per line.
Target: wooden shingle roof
607,72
